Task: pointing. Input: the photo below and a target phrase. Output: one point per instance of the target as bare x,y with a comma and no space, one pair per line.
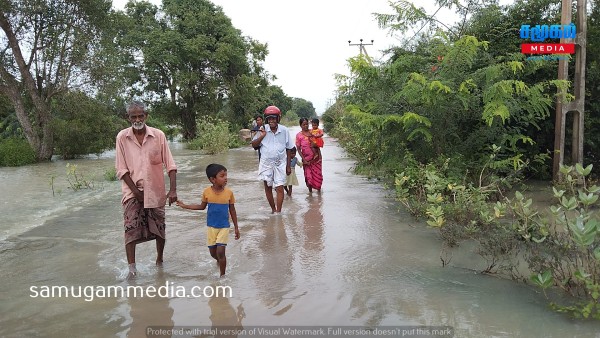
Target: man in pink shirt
142,155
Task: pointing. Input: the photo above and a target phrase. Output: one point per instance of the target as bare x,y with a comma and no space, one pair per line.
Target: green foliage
439,191
455,117
76,179
370,138
275,96
332,116
110,174
83,126
235,141
15,152
290,118
416,125
171,131
10,127
565,241
213,136
303,108
9,124
195,62
49,48
543,280
461,108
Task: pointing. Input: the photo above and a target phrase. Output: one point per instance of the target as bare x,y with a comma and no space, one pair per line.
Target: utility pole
362,48
576,106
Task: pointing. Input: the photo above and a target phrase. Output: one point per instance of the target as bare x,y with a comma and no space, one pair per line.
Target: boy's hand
237,233
171,196
180,203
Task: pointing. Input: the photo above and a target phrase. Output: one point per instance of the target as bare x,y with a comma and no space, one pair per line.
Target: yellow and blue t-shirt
217,215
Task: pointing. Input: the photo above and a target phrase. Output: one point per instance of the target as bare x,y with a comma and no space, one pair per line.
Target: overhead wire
426,23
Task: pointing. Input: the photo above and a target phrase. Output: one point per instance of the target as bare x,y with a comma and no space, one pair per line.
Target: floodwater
344,258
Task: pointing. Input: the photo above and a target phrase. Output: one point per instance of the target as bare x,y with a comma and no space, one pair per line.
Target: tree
191,57
83,125
452,97
303,108
48,48
277,97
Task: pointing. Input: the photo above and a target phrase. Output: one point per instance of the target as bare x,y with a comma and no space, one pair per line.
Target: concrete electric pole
362,48
576,106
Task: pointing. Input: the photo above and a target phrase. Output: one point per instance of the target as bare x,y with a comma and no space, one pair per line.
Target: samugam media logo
540,33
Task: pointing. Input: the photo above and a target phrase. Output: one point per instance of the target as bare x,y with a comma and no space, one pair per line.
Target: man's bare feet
132,271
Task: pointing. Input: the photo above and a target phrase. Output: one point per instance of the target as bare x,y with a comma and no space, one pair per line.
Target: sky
308,40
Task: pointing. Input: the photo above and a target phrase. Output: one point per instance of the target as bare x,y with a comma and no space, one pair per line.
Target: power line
426,23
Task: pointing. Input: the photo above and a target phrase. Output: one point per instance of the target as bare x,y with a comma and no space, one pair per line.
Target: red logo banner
548,48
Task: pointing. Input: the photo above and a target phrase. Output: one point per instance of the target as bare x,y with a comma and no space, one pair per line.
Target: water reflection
226,321
311,255
150,311
274,279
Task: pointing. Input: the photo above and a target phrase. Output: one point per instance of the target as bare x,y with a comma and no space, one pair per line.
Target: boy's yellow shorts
216,236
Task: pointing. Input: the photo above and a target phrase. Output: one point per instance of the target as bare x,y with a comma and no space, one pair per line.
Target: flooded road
345,257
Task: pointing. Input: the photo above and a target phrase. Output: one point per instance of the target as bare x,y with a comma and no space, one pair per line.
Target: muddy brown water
346,257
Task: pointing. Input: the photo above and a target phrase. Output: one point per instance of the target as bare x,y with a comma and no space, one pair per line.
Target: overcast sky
308,40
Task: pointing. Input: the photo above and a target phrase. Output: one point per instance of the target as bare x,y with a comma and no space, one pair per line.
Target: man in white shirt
274,166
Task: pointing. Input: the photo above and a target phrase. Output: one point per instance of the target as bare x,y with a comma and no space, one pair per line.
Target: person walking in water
274,165
221,204
258,125
311,157
292,179
142,153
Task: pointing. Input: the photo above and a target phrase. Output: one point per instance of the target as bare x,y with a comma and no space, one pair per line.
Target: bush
83,126
111,174
171,131
213,136
290,119
16,152
563,246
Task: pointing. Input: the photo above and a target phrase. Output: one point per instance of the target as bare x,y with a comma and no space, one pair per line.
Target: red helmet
272,111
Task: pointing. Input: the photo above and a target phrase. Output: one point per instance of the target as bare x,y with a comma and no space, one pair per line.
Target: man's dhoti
272,172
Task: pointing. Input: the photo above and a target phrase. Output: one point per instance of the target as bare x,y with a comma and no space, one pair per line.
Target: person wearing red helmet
274,165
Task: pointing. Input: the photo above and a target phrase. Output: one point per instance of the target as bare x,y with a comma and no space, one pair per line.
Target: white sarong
272,172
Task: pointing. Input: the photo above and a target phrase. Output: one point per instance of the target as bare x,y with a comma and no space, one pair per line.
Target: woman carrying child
311,157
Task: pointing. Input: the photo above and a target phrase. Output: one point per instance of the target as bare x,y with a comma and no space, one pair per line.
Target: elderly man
142,154
274,166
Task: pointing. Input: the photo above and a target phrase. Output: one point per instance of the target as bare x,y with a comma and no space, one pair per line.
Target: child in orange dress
317,133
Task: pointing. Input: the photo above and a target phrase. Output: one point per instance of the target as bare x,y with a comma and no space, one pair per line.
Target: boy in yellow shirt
221,204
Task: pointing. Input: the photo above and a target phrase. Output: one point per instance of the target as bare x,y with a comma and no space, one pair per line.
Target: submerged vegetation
457,120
